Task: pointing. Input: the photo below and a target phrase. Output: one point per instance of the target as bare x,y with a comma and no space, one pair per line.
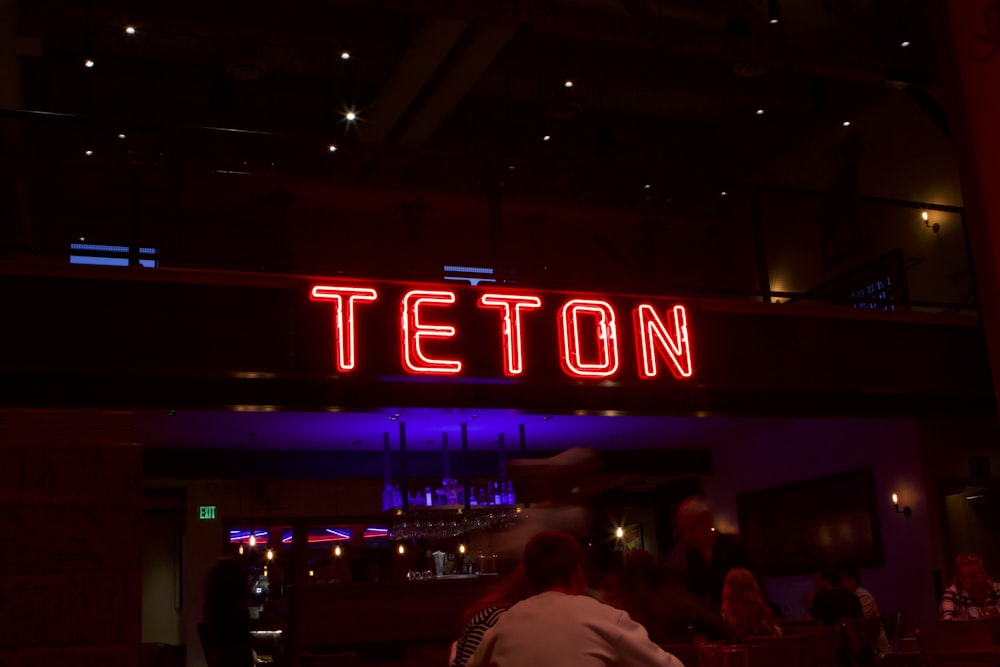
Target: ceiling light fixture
89,153
773,12
130,30
350,116
88,63
345,55
569,83
332,148
760,112
846,123
121,135
546,137
905,43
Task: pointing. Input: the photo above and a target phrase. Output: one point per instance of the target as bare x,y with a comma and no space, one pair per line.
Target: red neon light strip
511,305
569,338
653,337
344,325
414,331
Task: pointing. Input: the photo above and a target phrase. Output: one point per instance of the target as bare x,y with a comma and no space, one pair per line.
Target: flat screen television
798,528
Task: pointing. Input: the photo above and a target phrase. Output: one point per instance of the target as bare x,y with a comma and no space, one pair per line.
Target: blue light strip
468,269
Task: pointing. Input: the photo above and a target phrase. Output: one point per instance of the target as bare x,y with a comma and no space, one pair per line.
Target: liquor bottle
427,496
510,493
497,499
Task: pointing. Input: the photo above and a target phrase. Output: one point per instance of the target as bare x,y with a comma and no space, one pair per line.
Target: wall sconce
619,532
906,511
936,227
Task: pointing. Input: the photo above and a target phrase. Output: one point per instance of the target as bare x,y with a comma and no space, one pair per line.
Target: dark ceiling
458,96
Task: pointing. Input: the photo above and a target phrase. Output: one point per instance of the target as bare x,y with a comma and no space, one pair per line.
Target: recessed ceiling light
760,112
774,21
846,123
646,186
88,63
130,30
121,135
546,137
345,55
88,153
350,116
905,43
723,193
569,83
332,148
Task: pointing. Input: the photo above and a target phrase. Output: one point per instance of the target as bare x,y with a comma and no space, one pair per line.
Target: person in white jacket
560,626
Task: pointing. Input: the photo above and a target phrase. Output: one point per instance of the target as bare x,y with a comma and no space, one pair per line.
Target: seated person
832,601
561,626
744,607
972,594
852,582
483,613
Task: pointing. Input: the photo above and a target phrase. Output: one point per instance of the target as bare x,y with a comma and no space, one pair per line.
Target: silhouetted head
554,560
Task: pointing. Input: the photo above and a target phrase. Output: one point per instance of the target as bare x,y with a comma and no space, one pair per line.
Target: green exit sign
206,512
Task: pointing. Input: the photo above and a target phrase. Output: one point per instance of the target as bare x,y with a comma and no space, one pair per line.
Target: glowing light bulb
89,153
270,554
774,21
402,550
546,137
88,63
332,148
241,549
336,550
905,43
350,116
568,84
924,215
345,55
760,112
310,573
253,540
723,194
121,135
461,548
130,30
895,499
846,123
619,532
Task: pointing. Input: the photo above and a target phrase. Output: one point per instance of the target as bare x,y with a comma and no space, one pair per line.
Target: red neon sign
585,332
414,331
605,330
652,338
344,325
511,306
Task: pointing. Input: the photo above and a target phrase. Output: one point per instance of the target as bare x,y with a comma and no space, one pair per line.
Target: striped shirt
473,633
959,605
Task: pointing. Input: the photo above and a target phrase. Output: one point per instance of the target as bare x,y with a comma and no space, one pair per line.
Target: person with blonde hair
744,607
972,594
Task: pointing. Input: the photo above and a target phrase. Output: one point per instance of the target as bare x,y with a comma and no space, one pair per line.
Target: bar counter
423,610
